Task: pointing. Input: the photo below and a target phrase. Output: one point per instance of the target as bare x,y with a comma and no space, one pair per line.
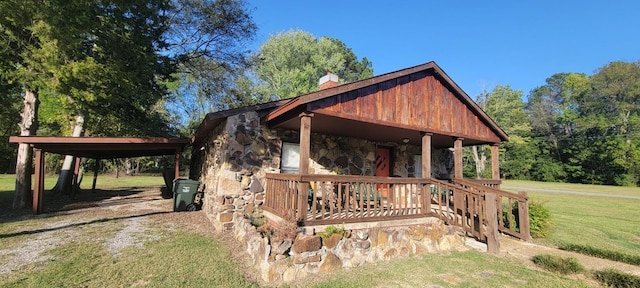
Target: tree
291,63
609,136
552,110
506,108
109,58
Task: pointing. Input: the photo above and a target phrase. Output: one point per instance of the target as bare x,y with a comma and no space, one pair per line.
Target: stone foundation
287,260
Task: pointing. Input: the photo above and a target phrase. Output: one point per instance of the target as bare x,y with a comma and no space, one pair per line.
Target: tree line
156,67
576,128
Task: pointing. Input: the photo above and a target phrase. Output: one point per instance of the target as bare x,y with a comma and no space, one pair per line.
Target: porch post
457,158
38,187
495,162
426,155
305,153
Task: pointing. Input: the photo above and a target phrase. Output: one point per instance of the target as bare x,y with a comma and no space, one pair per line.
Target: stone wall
232,165
289,260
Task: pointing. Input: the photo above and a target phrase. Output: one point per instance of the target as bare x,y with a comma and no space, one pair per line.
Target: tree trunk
28,126
66,173
480,160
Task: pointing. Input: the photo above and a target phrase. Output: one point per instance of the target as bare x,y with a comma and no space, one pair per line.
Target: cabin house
382,152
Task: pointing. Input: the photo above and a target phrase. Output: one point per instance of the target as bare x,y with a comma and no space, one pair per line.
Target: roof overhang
104,147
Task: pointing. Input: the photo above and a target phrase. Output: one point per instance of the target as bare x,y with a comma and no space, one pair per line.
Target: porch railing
512,209
338,199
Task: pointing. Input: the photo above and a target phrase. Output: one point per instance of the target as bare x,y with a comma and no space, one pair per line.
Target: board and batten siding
418,101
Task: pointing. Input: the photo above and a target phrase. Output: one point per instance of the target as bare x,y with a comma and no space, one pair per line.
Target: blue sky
479,44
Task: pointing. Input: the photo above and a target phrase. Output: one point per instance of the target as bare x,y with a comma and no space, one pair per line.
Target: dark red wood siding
417,101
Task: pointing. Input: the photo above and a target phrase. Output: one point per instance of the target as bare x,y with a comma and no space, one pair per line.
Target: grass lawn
601,222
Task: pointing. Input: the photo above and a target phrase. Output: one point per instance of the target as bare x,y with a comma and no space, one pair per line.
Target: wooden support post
96,168
523,215
177,164
76,173
38,187
495,162
491,216
457,158
426,155
305,154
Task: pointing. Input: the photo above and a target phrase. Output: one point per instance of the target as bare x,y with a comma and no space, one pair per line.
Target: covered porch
419,106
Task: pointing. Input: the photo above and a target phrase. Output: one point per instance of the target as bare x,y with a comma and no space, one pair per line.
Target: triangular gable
421,98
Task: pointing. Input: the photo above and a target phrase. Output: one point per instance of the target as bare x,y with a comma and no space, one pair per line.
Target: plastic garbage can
184,192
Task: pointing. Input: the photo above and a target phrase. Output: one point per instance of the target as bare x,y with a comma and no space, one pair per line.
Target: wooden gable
423,100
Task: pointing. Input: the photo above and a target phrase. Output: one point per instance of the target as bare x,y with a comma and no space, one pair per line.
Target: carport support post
95,175
38,187
177,164
305,147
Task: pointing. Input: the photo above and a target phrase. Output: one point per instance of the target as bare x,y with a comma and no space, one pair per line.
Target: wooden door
383,168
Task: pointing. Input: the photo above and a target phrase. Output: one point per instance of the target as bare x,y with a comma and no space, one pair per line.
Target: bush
539,218
558,264
330,230
614,278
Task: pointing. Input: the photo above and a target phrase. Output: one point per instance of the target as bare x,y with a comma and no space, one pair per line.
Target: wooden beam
38,187
305,154
457,158
491,216
426,155
95,175
177,164
495,162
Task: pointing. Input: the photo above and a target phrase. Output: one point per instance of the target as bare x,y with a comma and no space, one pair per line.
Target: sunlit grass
596,221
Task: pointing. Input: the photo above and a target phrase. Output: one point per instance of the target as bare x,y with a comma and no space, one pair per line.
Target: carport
97,148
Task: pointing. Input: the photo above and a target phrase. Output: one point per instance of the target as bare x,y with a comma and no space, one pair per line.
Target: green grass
178,260
458,269
604,223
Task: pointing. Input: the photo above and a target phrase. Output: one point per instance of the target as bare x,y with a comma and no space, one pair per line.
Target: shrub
614,278
558,264
255,219
330,230
601,253
539,218
279,230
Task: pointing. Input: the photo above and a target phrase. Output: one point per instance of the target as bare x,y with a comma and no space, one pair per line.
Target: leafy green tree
506,107
609,133
291,63
552,110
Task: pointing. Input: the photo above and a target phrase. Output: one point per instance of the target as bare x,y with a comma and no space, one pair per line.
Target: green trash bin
184,192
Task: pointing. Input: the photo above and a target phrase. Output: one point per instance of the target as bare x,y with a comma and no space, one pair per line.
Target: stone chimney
328,81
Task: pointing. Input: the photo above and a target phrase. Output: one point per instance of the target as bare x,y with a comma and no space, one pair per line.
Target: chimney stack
328,81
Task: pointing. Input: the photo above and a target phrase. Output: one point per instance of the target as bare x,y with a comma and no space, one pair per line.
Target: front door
383,167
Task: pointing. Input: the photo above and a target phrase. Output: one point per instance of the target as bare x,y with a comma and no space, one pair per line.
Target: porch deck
338,199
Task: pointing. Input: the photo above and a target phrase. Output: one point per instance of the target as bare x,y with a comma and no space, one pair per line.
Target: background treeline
575,128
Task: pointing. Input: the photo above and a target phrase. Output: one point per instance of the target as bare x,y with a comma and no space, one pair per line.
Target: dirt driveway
134,211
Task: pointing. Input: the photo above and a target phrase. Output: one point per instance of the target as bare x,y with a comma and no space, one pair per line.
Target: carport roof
104,147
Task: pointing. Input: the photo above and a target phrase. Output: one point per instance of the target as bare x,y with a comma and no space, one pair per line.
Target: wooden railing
512,209
338,199
487,182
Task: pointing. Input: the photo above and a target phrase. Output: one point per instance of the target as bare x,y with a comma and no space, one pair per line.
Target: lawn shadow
71,225
62,204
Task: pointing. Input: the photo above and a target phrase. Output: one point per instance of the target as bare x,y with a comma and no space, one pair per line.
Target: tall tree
608,126
552,110
506,107
291,63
